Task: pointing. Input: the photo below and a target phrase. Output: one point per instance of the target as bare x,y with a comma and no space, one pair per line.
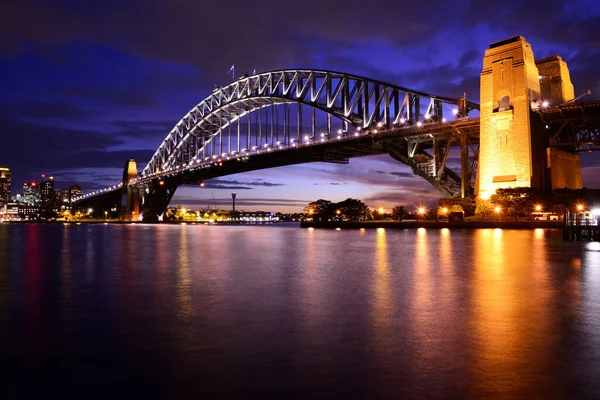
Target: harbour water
199,311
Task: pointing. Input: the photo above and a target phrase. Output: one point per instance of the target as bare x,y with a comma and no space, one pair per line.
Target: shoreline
337,224
434,224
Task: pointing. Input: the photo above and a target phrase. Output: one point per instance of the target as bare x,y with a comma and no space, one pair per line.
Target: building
251,216
29,211
31,193
74,192
47,195
5,182
63,198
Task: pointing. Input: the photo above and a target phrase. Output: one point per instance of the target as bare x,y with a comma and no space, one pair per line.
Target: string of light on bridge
244,153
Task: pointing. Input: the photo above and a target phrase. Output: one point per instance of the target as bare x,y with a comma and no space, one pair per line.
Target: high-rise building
62,197
47,197
74,192
31,193
4,185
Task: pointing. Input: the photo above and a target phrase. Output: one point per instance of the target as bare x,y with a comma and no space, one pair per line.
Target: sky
86,85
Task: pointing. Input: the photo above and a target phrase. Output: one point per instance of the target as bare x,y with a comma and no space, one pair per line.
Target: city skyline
89,90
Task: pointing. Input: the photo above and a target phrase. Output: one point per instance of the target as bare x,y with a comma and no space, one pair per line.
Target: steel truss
254,106
573,126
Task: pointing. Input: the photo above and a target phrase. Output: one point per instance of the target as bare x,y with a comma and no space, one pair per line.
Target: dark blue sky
88,85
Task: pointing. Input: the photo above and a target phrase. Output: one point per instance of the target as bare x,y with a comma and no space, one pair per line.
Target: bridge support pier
155,200
130,203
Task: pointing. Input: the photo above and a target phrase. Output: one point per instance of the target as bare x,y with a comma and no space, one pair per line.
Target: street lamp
380,210
538,208
422,212
106,215
497,210
579,207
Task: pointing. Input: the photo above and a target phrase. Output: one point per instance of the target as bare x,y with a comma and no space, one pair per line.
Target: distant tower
5,183
233,198
130,202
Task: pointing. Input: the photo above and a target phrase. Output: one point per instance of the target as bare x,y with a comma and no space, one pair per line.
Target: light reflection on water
241,311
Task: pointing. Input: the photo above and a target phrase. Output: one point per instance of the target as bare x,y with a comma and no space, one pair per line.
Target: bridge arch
354,101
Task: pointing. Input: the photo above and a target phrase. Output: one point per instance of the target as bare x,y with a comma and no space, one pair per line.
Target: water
195,311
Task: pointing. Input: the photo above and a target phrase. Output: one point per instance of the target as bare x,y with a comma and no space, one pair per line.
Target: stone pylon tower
510,88
130,202
514,149
556,88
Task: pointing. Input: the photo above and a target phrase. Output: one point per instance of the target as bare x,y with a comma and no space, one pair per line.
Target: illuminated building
29,211
62,196
47,195
74,191
4,185
31,193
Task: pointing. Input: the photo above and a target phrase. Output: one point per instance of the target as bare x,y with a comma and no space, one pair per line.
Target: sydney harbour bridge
295,116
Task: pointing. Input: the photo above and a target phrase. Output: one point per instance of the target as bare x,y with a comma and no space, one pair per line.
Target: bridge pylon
130,198
514,146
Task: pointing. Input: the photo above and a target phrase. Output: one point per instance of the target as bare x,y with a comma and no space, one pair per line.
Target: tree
482,209
398,213
353,209
518,201
319,207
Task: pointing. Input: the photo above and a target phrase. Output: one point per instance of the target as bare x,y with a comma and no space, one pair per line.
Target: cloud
403,174
119,98
220,183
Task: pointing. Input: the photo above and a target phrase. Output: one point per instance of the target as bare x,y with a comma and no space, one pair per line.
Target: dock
581,226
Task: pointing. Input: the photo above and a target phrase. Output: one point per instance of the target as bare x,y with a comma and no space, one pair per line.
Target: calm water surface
195,311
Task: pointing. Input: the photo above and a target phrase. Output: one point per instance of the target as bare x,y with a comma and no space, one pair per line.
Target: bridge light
339,136
545,103
220,164
161,182
278,143
201,183
402,120
419,123
427,116
322,135
339,131
379,124
358,128
266,145
540,76
455,111
443,119
356,134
